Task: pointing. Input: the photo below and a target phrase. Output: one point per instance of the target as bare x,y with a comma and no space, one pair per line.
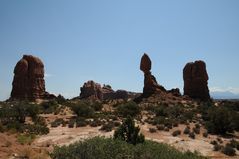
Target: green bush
160,127
217,147
82,109
229,151
176,133
129,108
36,129
205,134
196,130
97,106
152,130
191,135
107,127
71,123
186,130
26,138
81,122
17,111
128,132
57,122
49,107
235,144
107,148
219,121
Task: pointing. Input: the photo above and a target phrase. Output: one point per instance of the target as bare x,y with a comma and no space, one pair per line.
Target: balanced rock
28,82
196,80
150,83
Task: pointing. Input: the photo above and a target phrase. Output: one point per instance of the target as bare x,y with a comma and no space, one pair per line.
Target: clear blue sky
103,40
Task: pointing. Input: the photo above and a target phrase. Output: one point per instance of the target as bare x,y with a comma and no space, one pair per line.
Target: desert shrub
97,106
196,130
175,111
168,123
160,127
107,127
158,120
25,138
229,151
71,123
13,115
60,99
191,135
40,121
176,133
18,111
217,147
152,130
129,108
129,132
49,107
235,144
104,148
186,130
57,122
197,126
214,142
175,124
36,129
160,110
188,115
205,134
219,140
95,123
166,129
219,121
81,122
82,109
117,124
2,129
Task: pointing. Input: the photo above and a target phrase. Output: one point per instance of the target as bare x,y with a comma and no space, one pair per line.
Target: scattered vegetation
102,148
13,116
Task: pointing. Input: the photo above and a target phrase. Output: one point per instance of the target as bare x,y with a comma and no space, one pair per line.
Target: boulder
28,82
196,80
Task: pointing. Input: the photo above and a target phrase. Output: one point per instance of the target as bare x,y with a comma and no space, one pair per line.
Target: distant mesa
196,80
150,83
28,82
94,91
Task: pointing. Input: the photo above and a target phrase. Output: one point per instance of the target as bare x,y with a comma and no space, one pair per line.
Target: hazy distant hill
224,95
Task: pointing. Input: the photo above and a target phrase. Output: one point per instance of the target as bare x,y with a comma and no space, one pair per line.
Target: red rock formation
150,84
94,91
91,90
28,82
195,80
